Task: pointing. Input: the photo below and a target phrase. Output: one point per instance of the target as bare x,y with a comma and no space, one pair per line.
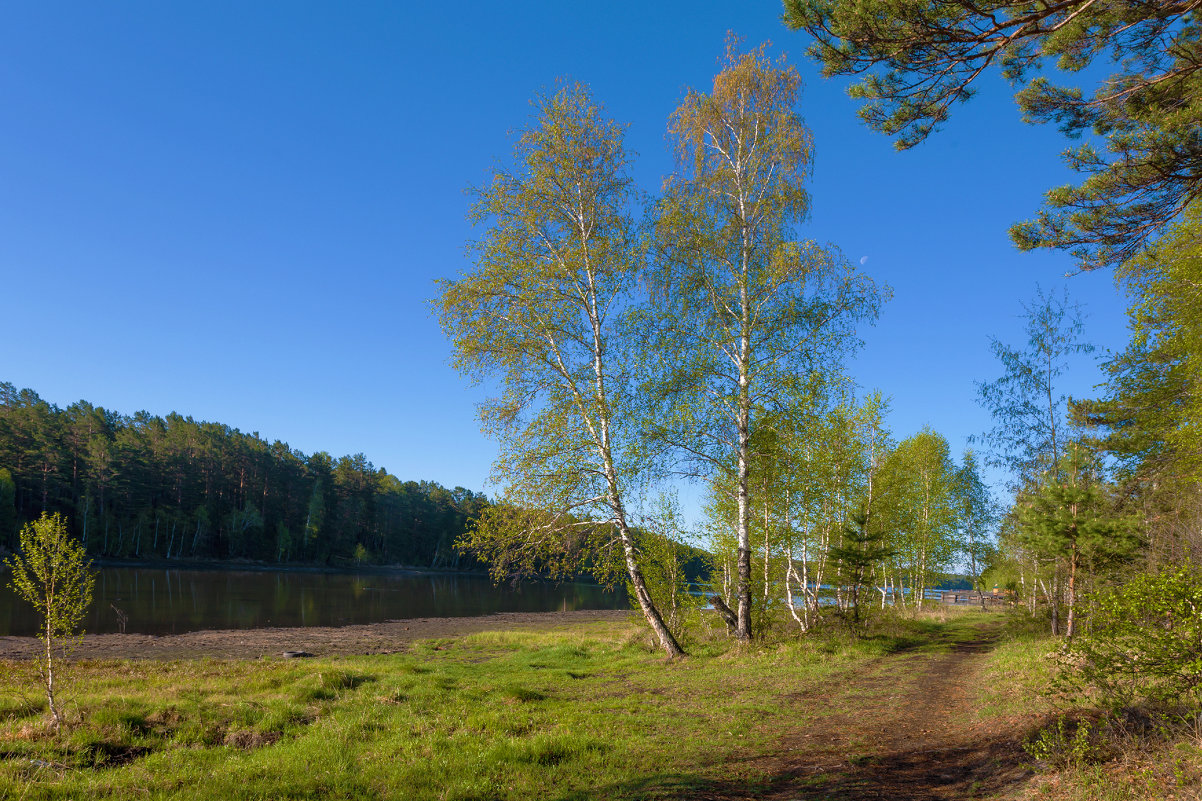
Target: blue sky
237,211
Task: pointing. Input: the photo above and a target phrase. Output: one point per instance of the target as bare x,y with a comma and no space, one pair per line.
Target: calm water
160,601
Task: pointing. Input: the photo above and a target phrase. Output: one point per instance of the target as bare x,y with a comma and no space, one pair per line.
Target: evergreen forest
147,487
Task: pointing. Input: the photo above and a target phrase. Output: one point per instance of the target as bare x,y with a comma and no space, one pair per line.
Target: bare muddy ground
376,638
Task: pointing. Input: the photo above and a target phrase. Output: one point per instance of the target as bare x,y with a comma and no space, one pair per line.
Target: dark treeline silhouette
148,487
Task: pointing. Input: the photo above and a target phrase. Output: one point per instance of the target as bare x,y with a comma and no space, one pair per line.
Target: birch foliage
978,517
812,469
741,310
537,316
918,485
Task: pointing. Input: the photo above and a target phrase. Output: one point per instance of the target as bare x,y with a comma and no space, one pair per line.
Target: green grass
576,714
1017,676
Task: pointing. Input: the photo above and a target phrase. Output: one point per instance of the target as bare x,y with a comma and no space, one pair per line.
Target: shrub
1067,744
1144,643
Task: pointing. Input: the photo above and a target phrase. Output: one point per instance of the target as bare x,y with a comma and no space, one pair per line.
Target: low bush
1143,644
1067,743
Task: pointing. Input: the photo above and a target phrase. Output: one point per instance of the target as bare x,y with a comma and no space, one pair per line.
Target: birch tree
52,572
921,509
1028,405
829,474
537,316
740,309
977,518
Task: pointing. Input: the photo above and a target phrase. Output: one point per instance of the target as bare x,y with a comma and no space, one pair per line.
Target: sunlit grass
509,714
1017,676
589,711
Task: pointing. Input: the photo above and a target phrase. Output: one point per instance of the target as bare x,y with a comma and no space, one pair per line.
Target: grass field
495,715
589,712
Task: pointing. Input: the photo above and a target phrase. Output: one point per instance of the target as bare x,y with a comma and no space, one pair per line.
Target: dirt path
376,638
906,729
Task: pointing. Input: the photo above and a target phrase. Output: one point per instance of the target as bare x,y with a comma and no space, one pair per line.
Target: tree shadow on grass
983,768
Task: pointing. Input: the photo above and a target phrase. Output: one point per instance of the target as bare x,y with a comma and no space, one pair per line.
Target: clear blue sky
237,211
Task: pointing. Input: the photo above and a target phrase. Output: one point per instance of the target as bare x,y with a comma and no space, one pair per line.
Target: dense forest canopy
144,486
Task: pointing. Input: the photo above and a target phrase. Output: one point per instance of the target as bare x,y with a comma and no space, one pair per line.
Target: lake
174,601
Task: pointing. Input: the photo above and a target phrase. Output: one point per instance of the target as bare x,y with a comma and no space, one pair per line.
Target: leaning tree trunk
650,612
790,575
614,495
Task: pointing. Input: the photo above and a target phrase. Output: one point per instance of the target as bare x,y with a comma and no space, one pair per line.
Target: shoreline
267,567
371,638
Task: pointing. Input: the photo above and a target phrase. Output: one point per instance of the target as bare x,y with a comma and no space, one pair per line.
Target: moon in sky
863,260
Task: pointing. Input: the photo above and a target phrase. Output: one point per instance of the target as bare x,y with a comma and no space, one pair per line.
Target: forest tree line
150,487
845,513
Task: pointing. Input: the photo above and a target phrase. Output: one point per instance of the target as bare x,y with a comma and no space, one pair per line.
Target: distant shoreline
290,567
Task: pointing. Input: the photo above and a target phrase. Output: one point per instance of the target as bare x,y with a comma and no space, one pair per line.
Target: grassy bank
586,713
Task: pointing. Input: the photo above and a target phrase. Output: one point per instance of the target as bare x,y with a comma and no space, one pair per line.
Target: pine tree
1069,519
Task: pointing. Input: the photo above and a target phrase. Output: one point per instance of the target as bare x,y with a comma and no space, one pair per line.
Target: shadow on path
988,769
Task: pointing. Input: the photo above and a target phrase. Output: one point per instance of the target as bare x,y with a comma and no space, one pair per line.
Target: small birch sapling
52,572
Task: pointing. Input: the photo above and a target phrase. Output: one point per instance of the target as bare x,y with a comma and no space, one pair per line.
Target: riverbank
374,638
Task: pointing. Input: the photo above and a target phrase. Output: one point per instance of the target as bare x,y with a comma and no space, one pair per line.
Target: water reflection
158,601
